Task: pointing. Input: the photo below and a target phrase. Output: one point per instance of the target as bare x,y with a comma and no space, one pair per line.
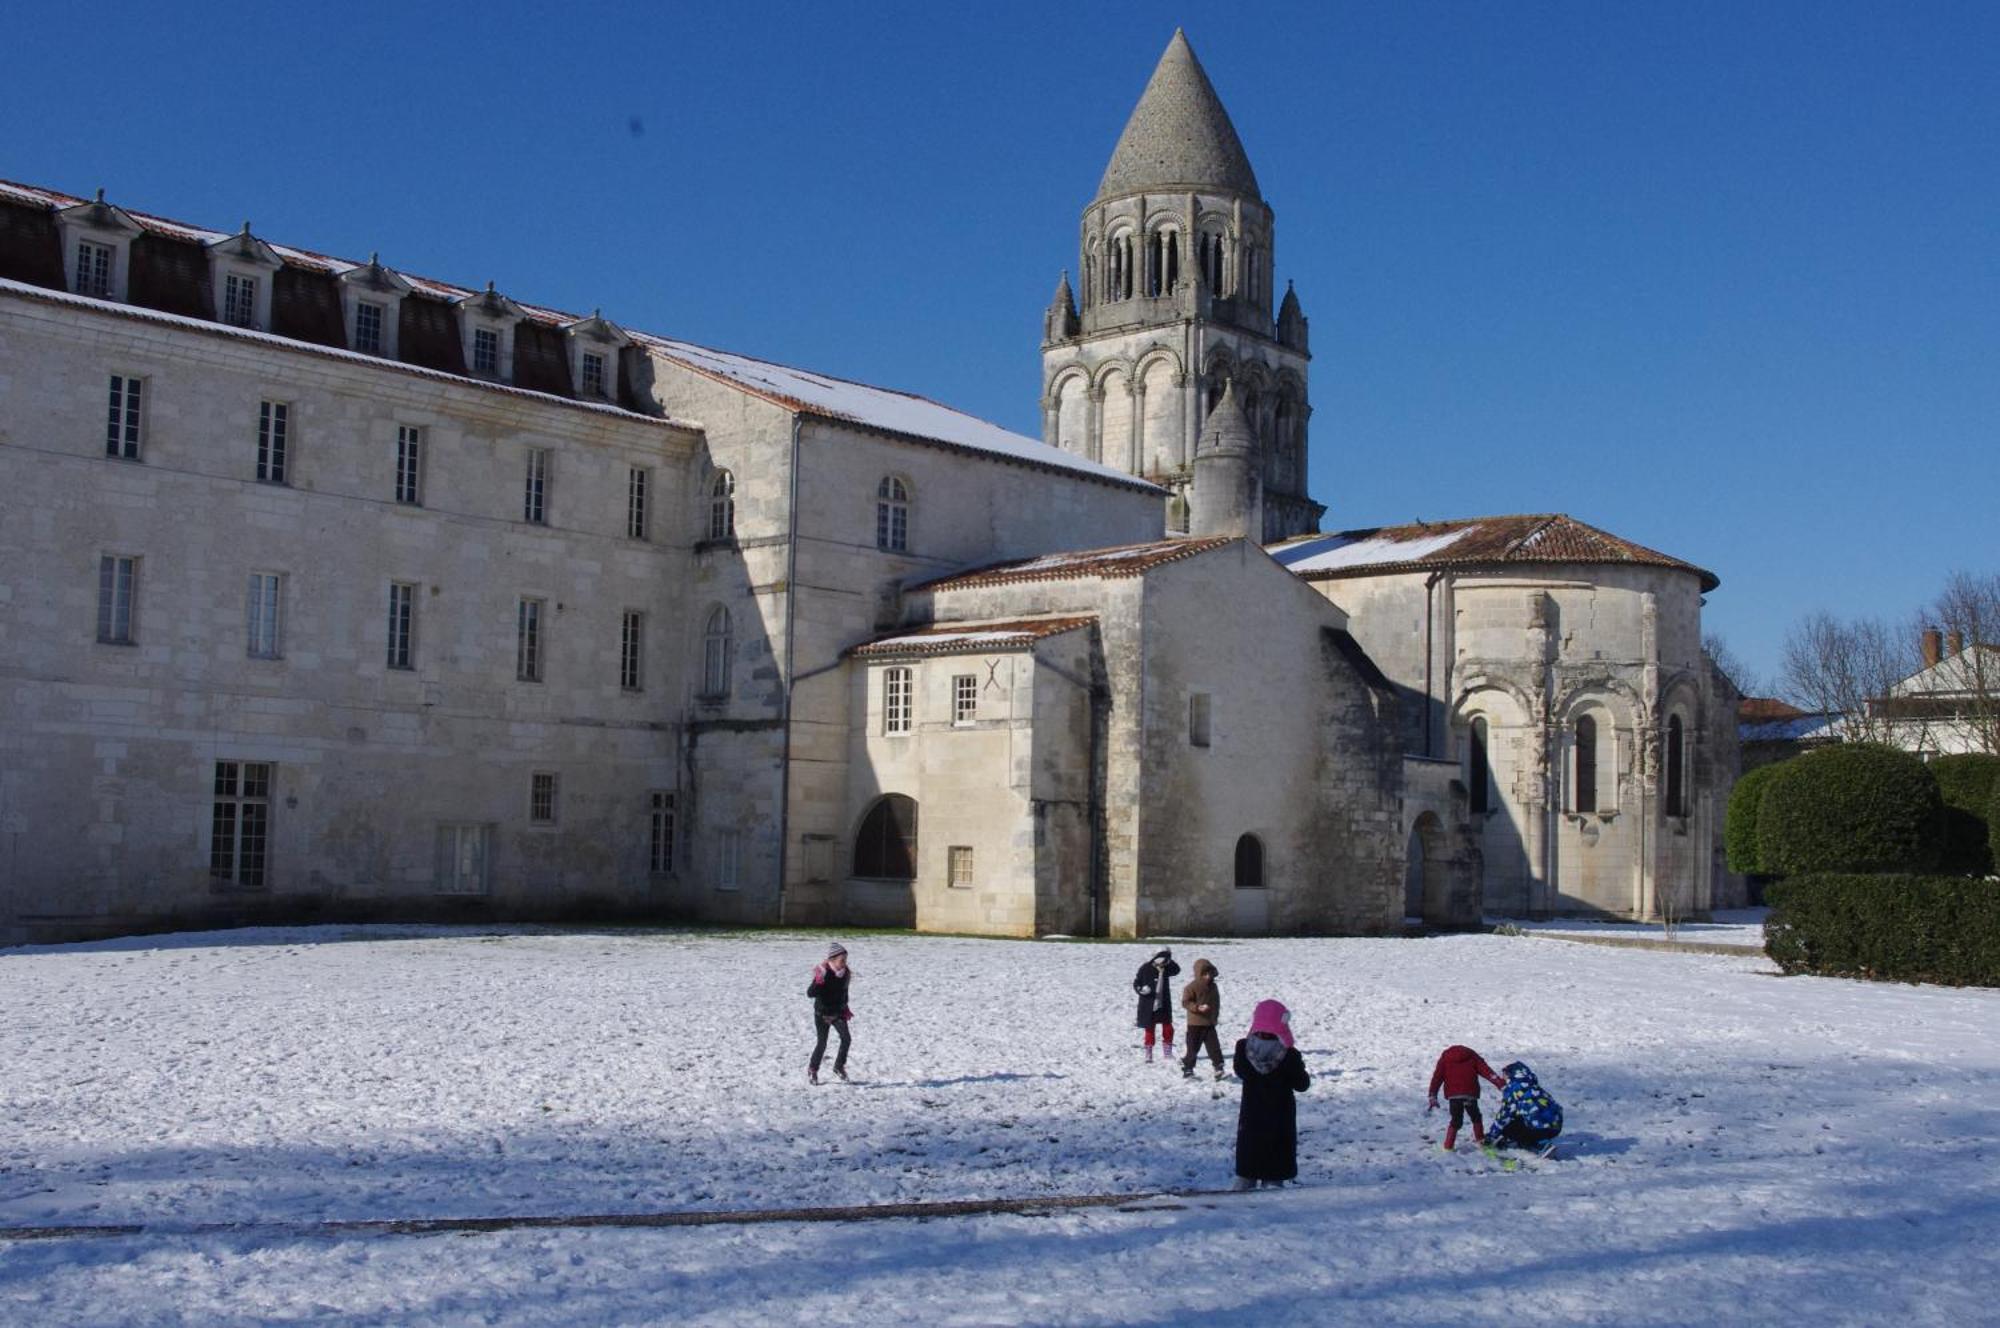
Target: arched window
1210,255
892,515
1584,739
1676,768
1478,770
885,849
1172,241
715,652
1249,863
722,506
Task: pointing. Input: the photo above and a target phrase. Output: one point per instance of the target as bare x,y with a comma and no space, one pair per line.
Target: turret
1291,321
1060,324
1228,500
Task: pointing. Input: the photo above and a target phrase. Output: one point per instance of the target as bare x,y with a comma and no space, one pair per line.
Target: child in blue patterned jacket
1528,1117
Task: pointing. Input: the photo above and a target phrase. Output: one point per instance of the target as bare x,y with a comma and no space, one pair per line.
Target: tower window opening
1172,243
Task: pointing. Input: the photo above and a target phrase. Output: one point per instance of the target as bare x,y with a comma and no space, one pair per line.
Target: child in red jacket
1458,1072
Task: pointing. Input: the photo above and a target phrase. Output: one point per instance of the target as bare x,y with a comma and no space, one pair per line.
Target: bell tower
1174,309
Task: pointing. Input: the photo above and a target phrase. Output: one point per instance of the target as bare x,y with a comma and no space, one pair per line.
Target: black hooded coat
1267,1124
1156,997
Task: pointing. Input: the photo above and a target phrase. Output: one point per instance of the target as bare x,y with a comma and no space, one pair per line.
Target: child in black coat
1156,999
1267,1124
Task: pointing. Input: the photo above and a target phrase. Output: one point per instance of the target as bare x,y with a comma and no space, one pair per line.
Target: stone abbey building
331,590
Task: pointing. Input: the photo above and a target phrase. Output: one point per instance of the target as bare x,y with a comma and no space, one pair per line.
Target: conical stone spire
1228,429
1062,320
1179,136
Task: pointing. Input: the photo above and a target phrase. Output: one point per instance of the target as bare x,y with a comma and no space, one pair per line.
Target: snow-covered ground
1748,1148
1741,926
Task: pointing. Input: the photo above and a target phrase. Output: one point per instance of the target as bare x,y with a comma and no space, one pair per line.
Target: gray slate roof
1179,135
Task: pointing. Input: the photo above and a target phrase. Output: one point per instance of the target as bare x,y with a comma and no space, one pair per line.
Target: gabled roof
959,638
879,408
1765,709
1121,560
1479,542
1179,134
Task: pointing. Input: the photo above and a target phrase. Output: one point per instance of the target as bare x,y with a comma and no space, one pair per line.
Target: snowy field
1747,1148
1741,926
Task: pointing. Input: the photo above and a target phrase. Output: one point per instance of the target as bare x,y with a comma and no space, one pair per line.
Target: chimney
1933,642
1954,644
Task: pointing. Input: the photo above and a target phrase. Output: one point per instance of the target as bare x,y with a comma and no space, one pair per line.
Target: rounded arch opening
885,847
1249,863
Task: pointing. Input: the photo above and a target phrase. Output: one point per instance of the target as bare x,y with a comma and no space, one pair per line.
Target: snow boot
812,1076
1149,1053
840,1074
1451,1137
1243,1183
1479,1134
1187,1071
1220,1074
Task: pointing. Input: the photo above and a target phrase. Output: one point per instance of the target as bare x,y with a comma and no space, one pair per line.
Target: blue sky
1721,278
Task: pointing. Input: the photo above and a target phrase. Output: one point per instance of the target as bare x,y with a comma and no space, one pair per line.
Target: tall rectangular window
274,427
240,823
635,504
368,327
402,615
1198,719
93,269
593,375
528,641
542,798
661,857
239,300
729,860
631,651
897,686
117,591
262,615
409,465
959,860
486,352
534,499
121,426
964,698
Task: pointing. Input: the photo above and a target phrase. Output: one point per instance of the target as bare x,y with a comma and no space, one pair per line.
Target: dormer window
594,343
368,327
97,248
371,301
241,268
93,269
486,325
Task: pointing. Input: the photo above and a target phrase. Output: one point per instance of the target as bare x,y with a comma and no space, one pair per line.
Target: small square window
959,859
542,798
964,698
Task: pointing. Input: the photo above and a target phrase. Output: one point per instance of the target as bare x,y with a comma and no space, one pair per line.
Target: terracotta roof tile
1478,542
957,638
1118,561
1760,709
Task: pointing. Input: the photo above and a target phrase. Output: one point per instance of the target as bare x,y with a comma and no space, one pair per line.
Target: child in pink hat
1273,1075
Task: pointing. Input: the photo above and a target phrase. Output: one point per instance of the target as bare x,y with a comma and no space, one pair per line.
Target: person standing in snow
1458,1072
1202,1000
1528,1117
1156,999
1267,1124
830,1013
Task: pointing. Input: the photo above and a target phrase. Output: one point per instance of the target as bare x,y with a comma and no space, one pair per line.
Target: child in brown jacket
1202,1000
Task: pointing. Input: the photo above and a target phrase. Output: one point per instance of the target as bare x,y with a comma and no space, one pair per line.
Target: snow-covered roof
970,637
145,315
1118,561
885,409
1973,670
880,408
1480,541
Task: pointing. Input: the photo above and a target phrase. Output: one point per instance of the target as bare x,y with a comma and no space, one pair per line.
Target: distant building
1770,730
1951,705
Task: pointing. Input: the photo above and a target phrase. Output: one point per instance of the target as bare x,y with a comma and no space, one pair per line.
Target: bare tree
1842,668
1721,654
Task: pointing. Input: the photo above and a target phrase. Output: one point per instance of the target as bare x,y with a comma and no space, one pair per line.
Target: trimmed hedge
1739,821
1966,782
1993,823
1858,807
1896,928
